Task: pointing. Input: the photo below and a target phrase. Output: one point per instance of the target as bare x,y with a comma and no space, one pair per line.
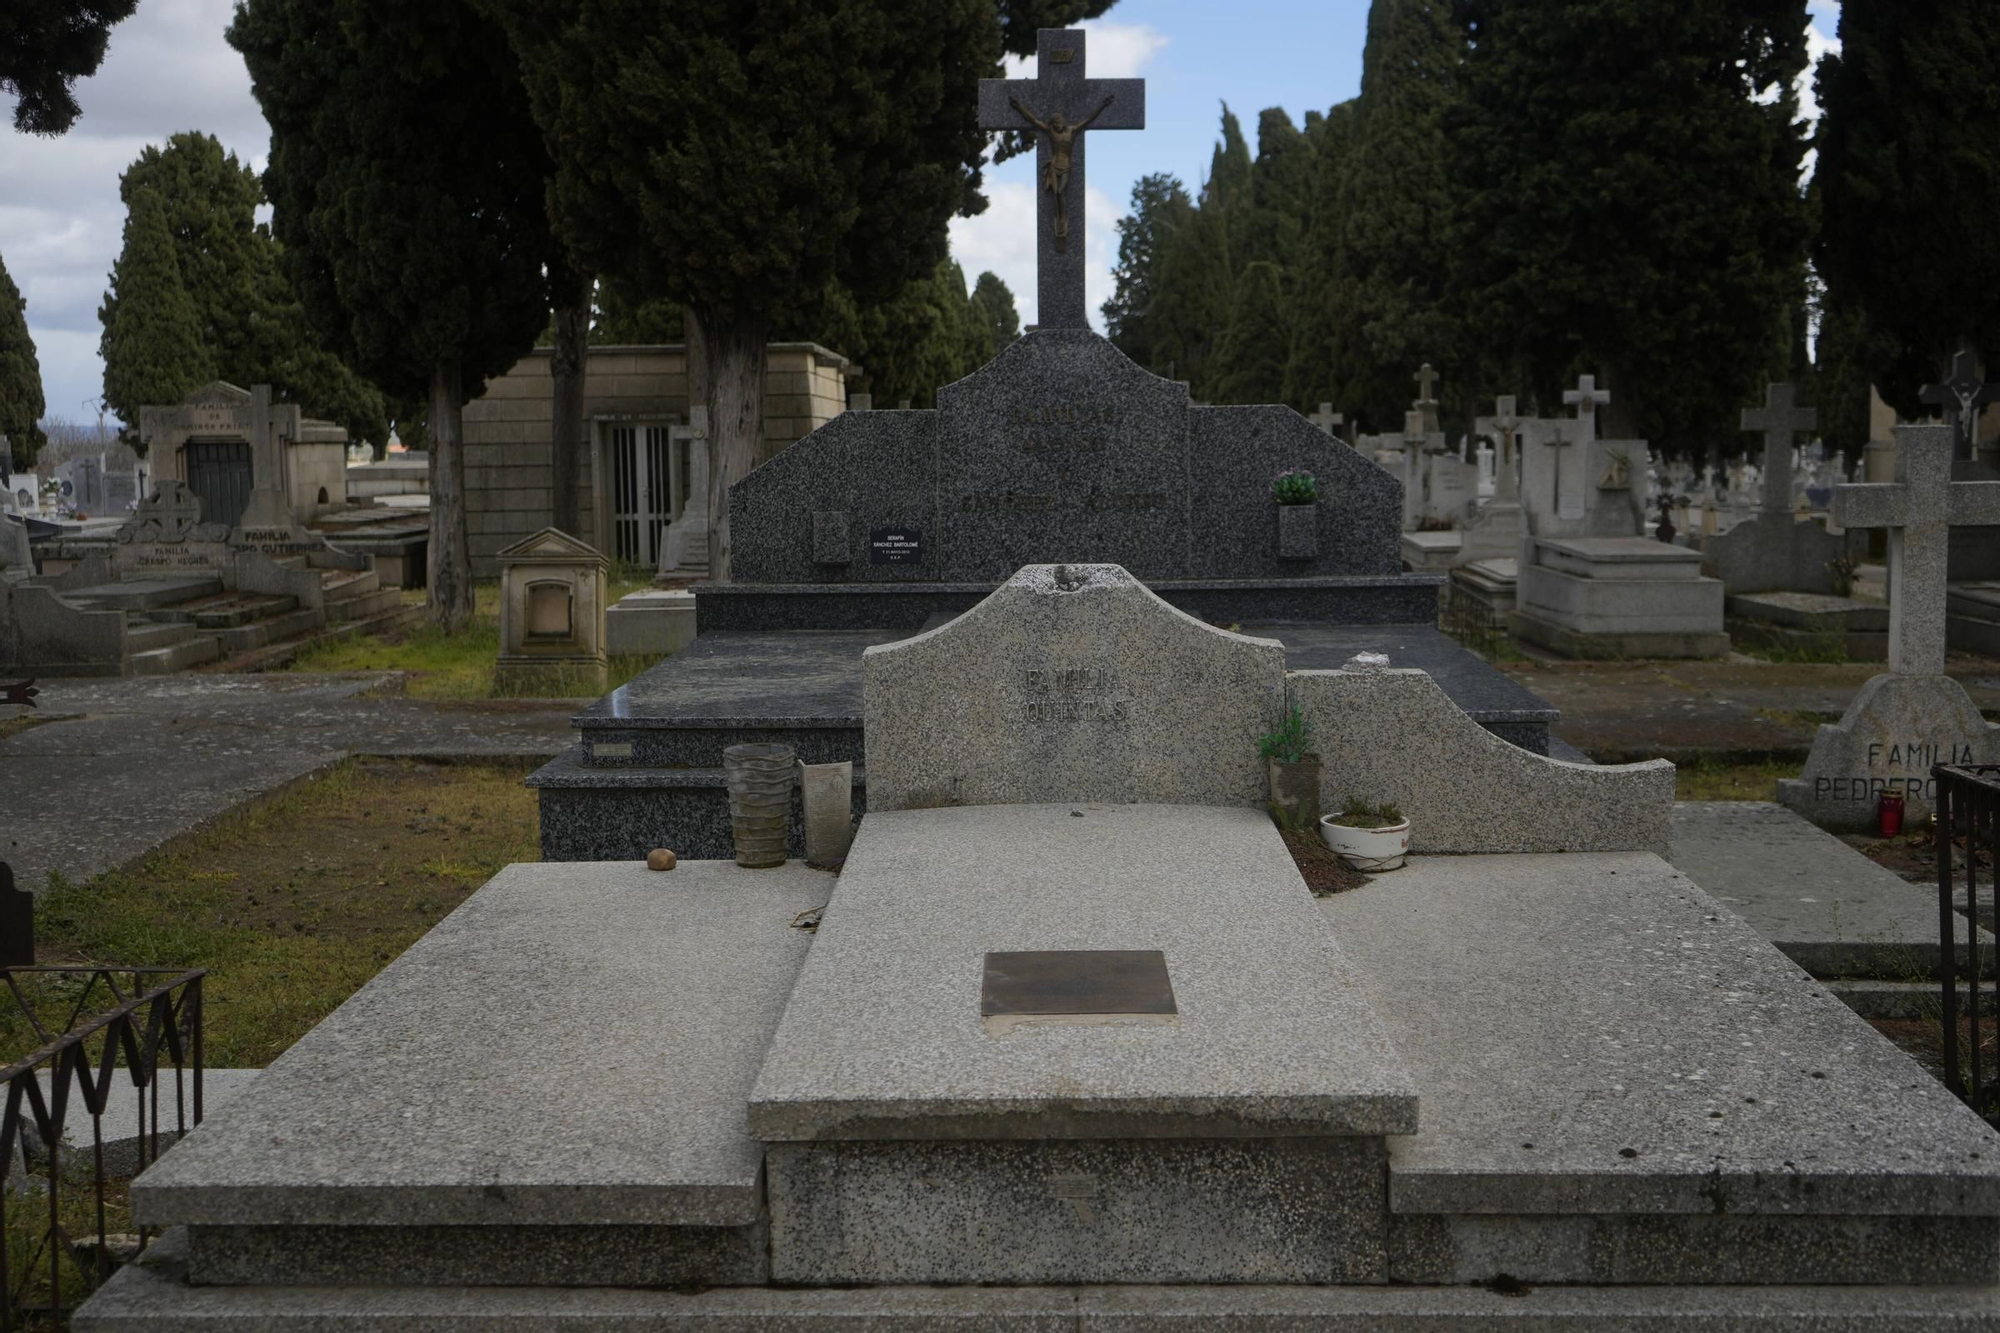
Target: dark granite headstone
1061,449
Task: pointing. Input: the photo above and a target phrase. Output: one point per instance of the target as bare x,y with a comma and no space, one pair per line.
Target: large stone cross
1586,398
1057,106
1326,418
1507,420
1779,418
1963,395
1919,509
1427,382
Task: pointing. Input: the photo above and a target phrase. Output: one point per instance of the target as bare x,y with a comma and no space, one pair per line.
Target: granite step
152,1296
178,657
279,652
244,609
143,636
342,583
144,594
361,606
257,634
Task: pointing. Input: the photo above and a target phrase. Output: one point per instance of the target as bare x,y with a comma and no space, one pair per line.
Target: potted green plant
1368,837
1294,771
1297,494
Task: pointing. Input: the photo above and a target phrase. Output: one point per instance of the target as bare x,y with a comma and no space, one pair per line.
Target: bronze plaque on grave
1068,983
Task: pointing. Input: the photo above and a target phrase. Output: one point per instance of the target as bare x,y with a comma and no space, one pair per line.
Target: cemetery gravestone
1774,552
1902,723
1961,396
1070,683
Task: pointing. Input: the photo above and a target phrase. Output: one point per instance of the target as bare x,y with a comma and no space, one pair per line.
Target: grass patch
14,726
1713,780
1820,650
460,667
293,903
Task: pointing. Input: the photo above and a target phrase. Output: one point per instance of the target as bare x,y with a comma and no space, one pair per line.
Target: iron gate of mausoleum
1968,840
218,472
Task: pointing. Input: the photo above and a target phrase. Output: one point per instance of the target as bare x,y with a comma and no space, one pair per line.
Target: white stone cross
1506,468
1919,509
1057,106
1426,403
1326,418
1585,398
1779,418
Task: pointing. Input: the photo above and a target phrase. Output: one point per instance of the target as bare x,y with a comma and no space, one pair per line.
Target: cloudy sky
170,70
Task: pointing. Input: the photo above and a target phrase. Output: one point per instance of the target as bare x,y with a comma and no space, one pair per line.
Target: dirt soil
1325,873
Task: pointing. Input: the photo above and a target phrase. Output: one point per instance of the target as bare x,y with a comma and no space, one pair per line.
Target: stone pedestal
552,609
1617,597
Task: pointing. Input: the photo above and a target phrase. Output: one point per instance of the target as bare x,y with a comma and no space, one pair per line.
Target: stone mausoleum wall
508,430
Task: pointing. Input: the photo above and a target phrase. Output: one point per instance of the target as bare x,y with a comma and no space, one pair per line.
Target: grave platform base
1575,643
152,1297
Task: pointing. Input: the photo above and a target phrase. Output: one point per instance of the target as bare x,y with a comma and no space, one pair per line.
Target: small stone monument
552,604
1904,722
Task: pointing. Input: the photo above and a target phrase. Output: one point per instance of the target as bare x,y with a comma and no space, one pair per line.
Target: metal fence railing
110,1038
1968,819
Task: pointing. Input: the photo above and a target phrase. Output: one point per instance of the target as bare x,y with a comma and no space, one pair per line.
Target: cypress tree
1626,175
45,47
1908,188
1251,357
253,328
152,343
1388,283
1161,210
407,186
738,160
21,404
1256,345
1310,374
996,307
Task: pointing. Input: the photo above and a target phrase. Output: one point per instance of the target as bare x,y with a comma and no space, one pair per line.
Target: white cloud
1114,51
1818,44
168,70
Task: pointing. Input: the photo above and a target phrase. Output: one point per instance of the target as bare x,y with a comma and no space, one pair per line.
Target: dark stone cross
1780,418
1963,395
1057,106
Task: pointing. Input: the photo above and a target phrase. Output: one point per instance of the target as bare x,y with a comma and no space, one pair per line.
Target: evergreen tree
996,307
21,404
45,47
1388,281
1161,209
253,328
407,181
738,160
1908,187
152,345
1626,176
1310,375
1252,355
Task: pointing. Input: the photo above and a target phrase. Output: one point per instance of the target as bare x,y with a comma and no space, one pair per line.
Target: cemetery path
119,766
1737,707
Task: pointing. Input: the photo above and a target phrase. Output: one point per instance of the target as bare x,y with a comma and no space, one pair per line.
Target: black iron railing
1968,814
141,1025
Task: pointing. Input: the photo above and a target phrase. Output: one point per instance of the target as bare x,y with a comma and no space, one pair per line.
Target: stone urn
1295,791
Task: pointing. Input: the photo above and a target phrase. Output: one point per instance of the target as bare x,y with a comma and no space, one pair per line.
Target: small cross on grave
1586,398
1779,418
1919,509
1426,403
1507,420
1962,396
1326,419
1057,106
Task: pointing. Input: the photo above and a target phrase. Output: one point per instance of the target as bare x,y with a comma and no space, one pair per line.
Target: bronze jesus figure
1062,136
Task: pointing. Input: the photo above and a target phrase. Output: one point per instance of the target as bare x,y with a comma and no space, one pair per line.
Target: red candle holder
1890,813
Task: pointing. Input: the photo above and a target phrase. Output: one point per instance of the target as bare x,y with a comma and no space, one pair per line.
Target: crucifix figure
1962,396
1056,166
1779,418
1059,104
1919,508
